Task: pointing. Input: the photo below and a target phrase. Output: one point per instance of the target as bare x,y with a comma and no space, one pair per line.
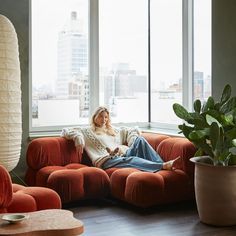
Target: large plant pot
215,190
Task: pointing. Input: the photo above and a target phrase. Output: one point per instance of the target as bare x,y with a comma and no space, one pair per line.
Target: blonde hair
97,112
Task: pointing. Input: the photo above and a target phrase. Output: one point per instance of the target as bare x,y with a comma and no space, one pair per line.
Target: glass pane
60,83
202,49
166,59
123,58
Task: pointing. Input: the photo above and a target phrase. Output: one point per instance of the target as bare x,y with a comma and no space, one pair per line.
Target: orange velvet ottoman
145,189
18,198
55,163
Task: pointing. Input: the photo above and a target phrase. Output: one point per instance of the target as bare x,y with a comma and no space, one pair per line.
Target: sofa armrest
173,147
51,151
5,189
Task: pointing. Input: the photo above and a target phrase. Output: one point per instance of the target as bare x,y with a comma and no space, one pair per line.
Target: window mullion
187,53
94,54
149,64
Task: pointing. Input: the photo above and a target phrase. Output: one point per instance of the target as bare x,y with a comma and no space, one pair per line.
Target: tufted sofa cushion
49,151
18,198
146,189
26,199
55,163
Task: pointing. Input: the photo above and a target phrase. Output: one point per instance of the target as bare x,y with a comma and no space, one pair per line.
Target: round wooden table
55,222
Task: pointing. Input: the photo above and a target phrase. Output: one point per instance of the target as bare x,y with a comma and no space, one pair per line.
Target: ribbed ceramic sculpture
10,96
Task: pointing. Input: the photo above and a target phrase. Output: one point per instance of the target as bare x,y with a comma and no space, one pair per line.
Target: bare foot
169,164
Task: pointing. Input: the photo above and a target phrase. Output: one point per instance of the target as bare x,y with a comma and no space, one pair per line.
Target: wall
17,12
223,52
223,45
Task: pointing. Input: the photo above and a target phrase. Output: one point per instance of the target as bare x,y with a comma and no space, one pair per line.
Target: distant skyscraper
198,85
122,81
207,87
72,55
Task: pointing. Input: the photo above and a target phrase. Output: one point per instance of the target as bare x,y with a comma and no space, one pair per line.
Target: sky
48,19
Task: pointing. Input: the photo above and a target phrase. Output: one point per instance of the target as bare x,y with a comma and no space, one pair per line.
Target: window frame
93,67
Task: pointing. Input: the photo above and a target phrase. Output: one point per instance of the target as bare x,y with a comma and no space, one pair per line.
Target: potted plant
211,127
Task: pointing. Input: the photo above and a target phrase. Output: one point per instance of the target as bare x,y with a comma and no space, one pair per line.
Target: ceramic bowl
14,218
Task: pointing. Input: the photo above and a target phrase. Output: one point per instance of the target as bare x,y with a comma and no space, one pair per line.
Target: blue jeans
140,155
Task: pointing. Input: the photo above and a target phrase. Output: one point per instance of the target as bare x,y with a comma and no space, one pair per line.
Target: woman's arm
74,134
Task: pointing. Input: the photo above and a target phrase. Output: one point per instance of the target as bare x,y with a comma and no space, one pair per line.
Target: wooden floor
110,218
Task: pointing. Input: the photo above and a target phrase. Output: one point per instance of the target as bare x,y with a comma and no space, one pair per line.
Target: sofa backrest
174,147
48,151
154,139
58,151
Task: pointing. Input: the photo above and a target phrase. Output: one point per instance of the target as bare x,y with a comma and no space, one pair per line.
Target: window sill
164,131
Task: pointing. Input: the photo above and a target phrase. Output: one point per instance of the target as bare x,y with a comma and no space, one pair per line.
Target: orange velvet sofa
54,162
17,198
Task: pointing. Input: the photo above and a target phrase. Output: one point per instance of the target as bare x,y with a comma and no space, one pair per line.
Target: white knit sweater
95,143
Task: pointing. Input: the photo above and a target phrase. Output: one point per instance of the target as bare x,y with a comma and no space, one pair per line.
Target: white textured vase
10,96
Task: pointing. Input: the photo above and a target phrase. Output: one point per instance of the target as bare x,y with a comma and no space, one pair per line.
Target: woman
108,146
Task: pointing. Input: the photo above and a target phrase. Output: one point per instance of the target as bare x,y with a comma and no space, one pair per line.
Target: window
147,55
202,49
166,59
123,56
60,79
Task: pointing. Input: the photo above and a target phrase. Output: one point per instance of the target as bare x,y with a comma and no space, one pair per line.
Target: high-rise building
198,85
72,56
122,81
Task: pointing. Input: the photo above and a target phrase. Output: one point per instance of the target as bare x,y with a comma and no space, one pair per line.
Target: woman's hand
80,148
114,152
